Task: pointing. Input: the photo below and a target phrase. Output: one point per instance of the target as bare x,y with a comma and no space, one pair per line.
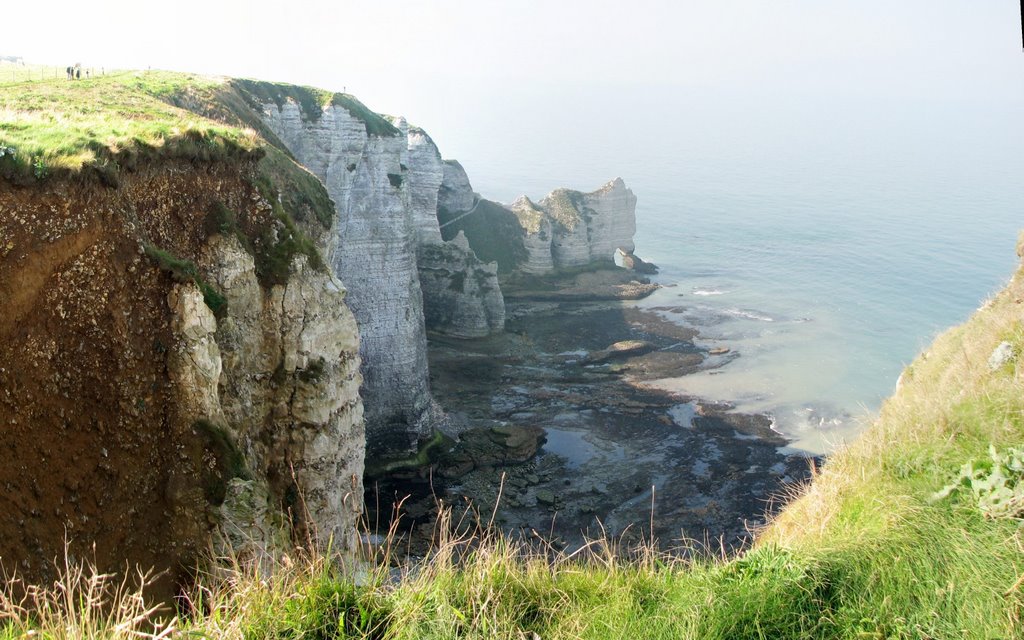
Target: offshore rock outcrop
565,230
137,419
570,229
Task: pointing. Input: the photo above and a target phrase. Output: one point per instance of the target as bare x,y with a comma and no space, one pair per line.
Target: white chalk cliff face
373,251
425,173
280,373
461,294
385,188
456,193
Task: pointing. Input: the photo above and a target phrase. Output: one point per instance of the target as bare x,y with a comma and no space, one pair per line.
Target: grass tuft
183,270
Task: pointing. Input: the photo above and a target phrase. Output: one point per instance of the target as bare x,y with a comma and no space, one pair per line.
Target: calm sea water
825,242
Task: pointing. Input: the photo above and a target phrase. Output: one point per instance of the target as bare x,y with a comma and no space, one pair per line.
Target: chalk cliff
461,294
362,160
384,177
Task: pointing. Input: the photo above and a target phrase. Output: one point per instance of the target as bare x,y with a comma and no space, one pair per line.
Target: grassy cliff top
53,126
61,126
312,101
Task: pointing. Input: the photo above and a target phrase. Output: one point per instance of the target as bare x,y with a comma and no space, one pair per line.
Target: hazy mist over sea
825,239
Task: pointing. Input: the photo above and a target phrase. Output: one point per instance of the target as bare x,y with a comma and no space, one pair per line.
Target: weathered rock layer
388,250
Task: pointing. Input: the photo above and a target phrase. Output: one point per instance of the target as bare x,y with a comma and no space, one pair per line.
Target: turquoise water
825,242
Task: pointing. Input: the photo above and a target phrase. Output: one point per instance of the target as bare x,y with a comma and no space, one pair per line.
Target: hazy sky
374,48
461,67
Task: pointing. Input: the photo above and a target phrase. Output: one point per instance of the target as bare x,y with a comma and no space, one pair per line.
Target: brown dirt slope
94,448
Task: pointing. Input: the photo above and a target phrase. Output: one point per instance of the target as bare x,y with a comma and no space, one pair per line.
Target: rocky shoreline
556,425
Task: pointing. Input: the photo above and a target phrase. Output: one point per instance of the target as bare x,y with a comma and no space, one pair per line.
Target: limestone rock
634,263
622,349
565,230
374,253
1002,354
194,362
424,175
492,447
288,390
456,193
461,294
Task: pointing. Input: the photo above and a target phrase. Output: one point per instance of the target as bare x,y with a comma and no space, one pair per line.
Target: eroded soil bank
563,427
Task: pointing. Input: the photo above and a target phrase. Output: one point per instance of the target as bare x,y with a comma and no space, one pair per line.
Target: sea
825,241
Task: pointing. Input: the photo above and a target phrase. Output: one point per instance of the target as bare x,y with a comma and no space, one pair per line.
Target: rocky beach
557,426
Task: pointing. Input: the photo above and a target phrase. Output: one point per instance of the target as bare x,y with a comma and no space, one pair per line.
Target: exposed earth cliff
178,352
173,371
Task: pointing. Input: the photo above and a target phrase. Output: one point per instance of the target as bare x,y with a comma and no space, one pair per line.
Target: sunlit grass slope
61,126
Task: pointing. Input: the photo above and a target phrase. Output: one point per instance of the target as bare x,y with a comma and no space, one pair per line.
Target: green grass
107,124
303,196
275,248
228,461
493,232
13,73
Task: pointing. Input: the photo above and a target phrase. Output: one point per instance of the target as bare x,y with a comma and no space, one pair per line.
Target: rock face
583,228
388,250
289,389
138,419
425,175
461,295
565,230
373,252
456,193
635,263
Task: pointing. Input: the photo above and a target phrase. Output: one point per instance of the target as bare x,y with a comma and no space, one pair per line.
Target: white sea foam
708,292
749,314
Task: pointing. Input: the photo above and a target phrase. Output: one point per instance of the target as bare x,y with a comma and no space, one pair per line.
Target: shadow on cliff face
555,418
